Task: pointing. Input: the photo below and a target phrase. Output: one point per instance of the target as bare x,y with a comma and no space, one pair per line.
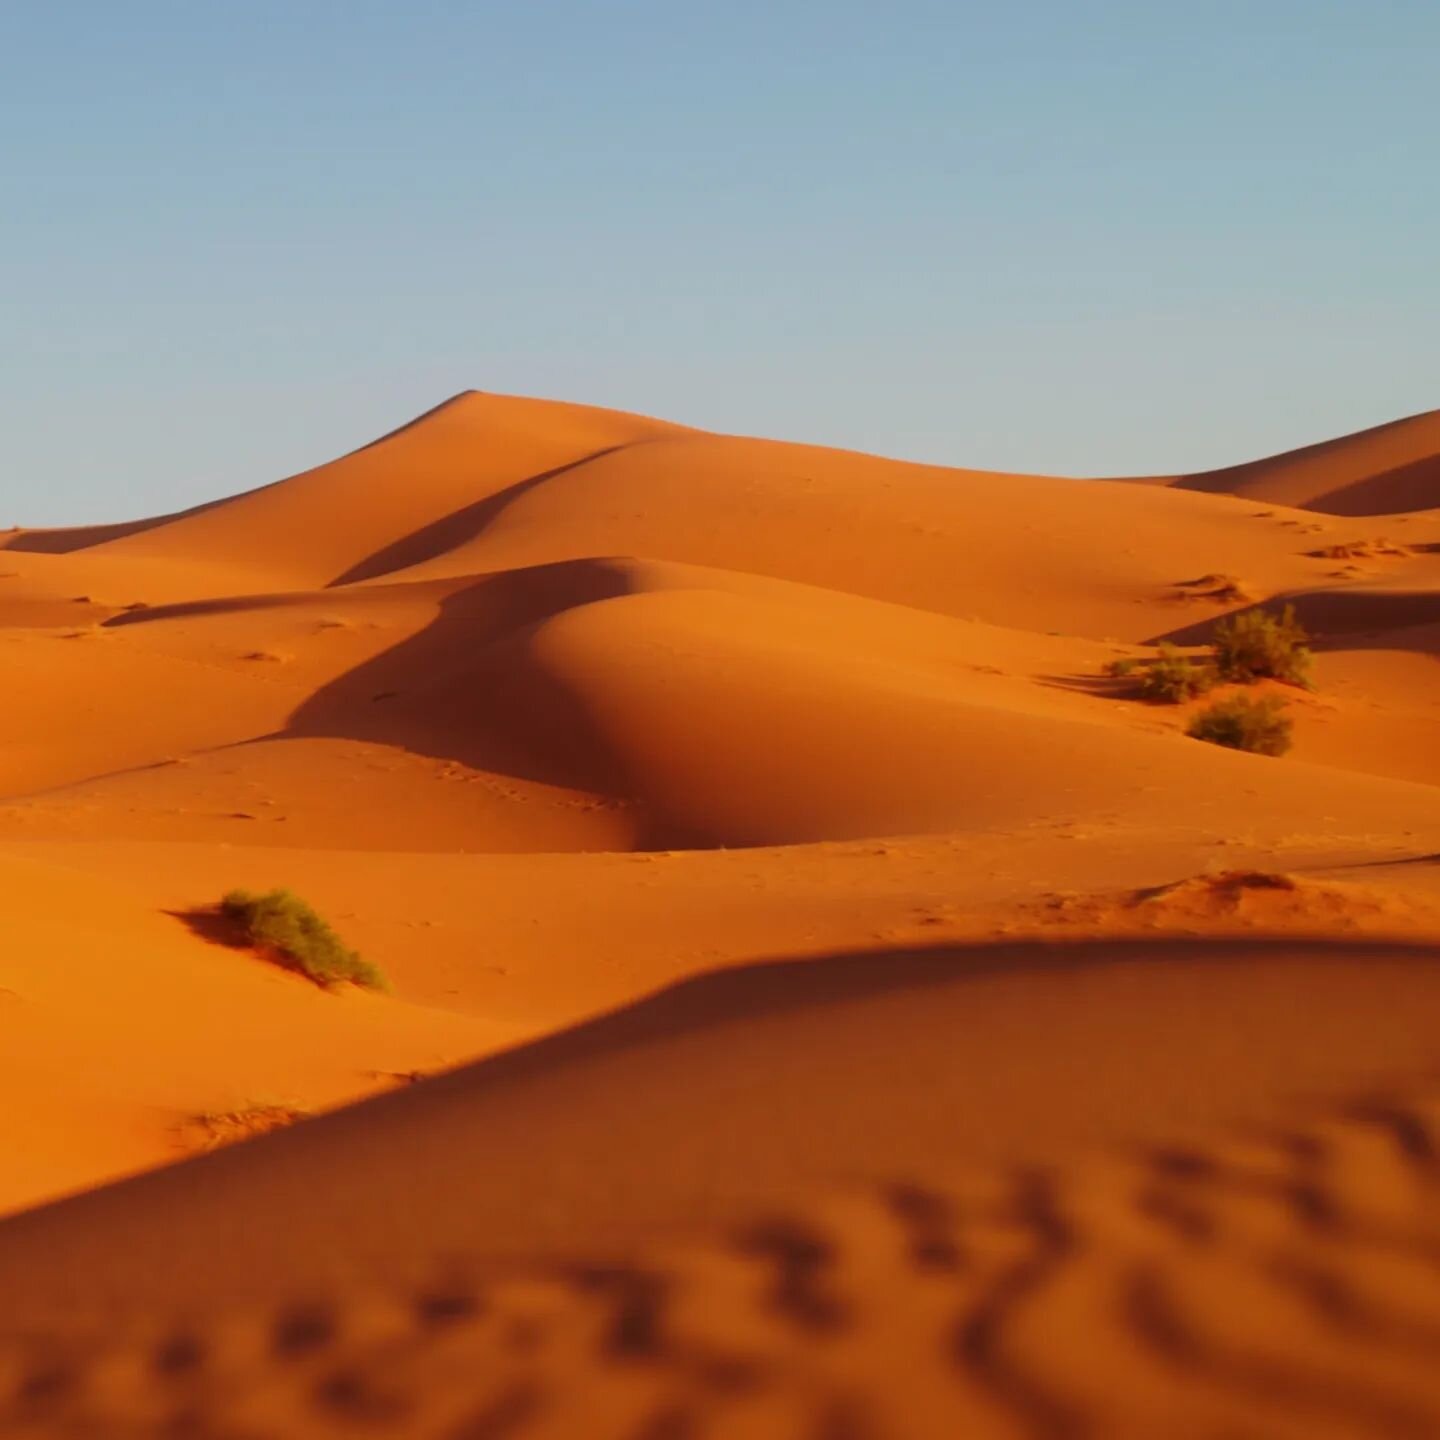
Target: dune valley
826,994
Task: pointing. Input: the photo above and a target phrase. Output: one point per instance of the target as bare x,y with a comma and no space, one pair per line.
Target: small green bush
1242,722
1168,676
285,926
1174,677
1256,645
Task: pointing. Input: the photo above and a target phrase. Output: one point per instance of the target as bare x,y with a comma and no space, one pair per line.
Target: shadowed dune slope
489,482
388,504
1390,469
1028,552
1352,617
758,731
548,708
1273,1282
625,704
742,1091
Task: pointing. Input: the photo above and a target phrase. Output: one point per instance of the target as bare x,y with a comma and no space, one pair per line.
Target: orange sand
551,710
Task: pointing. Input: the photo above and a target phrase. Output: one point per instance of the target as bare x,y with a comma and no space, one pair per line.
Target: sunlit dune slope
1032,552
614,704
120,1022
490,482
551,705
1387,470
740,1092
1194,1268
364,513
731,729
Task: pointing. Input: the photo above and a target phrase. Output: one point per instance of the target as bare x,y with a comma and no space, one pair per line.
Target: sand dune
850,1072
871,1018
861,1219
466,453
120,1024
613,704
1387,470
490,482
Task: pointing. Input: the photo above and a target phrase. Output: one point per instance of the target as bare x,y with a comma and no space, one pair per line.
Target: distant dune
826,1000
1389,470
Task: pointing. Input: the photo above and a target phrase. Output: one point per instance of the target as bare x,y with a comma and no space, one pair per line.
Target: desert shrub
1168,676
1256,645
1243,722
1174,677
289,930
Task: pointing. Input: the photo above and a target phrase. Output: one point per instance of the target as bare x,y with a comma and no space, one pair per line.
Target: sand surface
823,1002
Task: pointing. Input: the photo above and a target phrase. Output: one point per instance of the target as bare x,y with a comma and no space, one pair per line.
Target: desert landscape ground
826,996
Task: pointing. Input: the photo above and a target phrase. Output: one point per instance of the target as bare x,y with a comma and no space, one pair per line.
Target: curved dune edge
548,707
1019,1190
1389,469
620,704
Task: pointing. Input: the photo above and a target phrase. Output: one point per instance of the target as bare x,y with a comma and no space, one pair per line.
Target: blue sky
1117,236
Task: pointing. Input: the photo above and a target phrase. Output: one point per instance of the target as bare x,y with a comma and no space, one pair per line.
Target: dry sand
862,1016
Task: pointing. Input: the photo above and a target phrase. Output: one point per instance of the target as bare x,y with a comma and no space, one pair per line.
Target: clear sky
1078,236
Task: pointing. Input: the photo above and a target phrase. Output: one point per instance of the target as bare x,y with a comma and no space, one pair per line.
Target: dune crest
829,994
1386,470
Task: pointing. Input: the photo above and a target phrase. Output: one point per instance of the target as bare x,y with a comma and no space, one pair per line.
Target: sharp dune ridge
825,999
1384,470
